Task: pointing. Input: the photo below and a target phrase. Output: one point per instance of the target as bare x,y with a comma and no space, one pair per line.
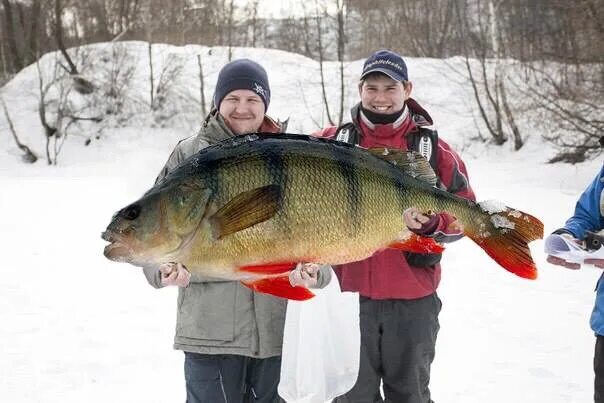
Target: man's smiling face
381,94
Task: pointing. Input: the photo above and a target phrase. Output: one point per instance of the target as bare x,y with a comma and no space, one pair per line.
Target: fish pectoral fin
418,244
279,287
271,268
245,210
411,162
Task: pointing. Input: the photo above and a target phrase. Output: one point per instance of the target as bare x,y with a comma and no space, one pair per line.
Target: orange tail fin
509,245
280,287
418,244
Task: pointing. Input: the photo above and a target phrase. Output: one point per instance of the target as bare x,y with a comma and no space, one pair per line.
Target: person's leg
233,370
263,379
203,378
367,386
599,370
408,348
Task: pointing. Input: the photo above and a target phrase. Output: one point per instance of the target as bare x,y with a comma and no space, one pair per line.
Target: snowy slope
77,327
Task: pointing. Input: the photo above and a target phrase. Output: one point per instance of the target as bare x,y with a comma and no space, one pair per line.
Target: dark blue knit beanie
242,74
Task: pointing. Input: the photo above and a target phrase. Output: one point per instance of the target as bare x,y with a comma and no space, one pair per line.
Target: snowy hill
77,327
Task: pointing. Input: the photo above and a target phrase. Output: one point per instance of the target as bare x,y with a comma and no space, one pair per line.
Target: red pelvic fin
279,287
270,268
418,244
509,247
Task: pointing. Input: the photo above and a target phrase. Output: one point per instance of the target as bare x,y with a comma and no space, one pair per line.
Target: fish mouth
118,249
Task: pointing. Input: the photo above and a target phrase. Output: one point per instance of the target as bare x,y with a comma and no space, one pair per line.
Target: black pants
227,378
599,370
398,338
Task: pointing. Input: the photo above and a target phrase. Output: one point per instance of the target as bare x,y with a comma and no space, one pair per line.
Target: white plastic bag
321,346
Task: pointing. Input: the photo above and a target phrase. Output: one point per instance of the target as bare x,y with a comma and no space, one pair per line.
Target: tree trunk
33,29
341,48
29,156
320,50
11,36
201,87
59,38
151,84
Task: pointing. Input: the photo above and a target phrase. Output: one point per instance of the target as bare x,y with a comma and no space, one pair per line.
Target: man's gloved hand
561,262
304,275
599,263
174,274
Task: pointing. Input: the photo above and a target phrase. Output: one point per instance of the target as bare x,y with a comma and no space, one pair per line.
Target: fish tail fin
279,287
508,246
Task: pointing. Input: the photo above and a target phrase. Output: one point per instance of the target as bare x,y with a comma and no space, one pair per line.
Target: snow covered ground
76,327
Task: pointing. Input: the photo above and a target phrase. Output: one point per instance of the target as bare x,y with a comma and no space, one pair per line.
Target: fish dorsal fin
245,210
411,162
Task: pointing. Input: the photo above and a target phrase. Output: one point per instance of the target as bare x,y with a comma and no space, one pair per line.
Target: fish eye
131,212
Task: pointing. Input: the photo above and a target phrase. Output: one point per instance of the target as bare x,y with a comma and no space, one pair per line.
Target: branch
29,156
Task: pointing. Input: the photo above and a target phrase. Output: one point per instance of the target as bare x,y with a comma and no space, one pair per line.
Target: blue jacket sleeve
588,216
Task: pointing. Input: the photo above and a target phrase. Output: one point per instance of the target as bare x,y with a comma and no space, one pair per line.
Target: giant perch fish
251,207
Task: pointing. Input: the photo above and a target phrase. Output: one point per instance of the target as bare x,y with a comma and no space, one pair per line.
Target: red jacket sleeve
454,177
328,132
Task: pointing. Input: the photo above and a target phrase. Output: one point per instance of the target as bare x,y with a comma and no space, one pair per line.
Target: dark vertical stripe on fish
396,178
345,163
276,168
212,173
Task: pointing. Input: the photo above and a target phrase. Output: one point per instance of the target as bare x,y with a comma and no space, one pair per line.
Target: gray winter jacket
224,317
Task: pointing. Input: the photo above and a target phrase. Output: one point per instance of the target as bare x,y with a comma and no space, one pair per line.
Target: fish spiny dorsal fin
245,210
411,162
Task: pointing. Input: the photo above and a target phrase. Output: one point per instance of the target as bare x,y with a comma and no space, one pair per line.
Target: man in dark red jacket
399,306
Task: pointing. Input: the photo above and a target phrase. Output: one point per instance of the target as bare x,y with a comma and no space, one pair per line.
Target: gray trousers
398,339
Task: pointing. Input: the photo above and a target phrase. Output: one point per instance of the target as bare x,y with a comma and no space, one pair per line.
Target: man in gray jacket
231,336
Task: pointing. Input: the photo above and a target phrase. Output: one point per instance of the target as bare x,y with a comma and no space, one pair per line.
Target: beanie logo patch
259,89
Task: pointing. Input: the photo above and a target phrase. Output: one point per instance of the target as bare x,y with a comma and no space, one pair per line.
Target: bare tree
489,90
318,20
230,28
202,96
28,155
57,113
11,35
50,130
59,38
149,25
341,43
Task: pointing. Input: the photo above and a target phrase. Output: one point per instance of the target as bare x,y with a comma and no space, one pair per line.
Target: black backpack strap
347,133
425,142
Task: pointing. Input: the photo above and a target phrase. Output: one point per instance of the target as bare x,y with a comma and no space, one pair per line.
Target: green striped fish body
267,201
338,203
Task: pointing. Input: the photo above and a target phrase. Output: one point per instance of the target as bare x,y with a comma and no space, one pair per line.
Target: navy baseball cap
386,62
